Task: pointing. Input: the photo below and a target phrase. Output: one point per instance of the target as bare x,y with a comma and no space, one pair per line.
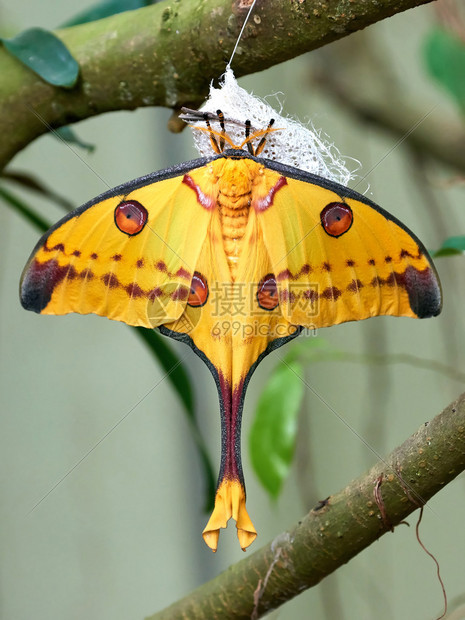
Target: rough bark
337,530
167,54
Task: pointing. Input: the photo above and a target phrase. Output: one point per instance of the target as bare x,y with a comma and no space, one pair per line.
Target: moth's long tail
230,492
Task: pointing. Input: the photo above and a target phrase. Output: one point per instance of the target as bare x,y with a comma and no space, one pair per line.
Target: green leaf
21,207
105,9
451,246
273,434
68,135
442,252
445,60
46,55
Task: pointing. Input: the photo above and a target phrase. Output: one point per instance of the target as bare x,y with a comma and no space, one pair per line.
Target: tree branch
337,530
439,138
167,54
385,105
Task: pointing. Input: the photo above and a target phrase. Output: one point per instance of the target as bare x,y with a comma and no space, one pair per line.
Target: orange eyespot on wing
130,217
198,293
336,218
267,293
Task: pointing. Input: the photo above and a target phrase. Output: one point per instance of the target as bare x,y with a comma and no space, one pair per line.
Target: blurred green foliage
445,61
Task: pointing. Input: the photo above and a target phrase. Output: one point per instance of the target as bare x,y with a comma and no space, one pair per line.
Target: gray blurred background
120,537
